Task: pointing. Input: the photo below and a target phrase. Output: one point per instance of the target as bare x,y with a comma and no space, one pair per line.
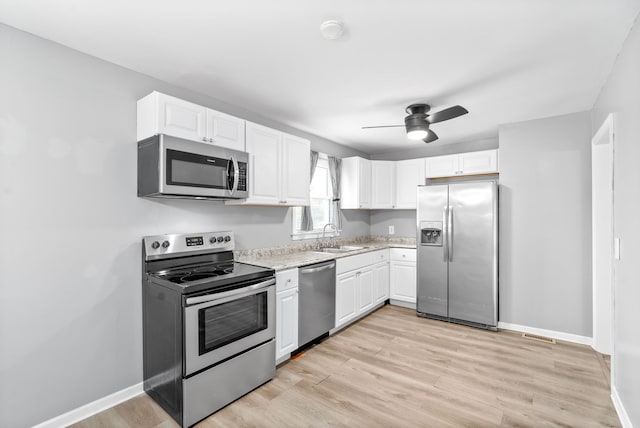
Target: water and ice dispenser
431,233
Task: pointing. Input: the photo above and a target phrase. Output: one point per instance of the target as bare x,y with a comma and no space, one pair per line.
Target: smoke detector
332,29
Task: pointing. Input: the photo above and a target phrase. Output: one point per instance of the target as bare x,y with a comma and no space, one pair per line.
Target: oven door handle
252,289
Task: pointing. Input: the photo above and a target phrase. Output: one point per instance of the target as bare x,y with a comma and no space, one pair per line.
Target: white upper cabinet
163,114
279,168
225,131
355,184
441,166
409,175
296,154
383,188
482,162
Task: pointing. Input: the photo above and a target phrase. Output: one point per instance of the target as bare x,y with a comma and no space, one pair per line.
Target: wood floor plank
394,369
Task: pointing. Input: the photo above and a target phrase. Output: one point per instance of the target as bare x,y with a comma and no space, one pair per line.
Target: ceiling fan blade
431,136
382,126
446,114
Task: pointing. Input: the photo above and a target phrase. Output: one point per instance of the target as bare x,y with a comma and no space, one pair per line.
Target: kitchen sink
341,249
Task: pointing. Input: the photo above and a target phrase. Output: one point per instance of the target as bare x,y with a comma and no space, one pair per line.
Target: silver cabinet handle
450,233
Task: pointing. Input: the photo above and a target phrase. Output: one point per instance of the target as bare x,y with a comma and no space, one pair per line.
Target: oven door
221,325
197,169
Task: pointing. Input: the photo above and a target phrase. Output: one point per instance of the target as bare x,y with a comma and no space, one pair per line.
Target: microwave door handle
236,174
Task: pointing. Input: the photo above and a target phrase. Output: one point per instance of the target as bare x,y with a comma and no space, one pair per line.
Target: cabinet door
286,322
381,282
403,281
409,175
365,290
225,131
264,146
296,167
483,162
364,183
442,166
346,297
181,118
383,188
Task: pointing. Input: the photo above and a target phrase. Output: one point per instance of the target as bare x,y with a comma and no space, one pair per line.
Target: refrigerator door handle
450,233
445,234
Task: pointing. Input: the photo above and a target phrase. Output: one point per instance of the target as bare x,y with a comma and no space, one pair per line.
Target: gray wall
545,224
71,225
404,222
621,96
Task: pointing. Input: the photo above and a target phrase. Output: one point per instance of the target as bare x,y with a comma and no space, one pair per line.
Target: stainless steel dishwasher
317,300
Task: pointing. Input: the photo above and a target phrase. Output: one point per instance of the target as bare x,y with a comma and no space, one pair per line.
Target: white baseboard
83,412
401,303
622,413
559,335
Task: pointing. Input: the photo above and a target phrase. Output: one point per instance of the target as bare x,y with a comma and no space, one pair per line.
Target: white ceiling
504,60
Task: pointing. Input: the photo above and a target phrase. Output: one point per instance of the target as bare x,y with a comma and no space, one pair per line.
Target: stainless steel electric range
208,324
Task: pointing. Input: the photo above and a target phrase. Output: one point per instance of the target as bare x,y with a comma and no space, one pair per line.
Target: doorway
602,146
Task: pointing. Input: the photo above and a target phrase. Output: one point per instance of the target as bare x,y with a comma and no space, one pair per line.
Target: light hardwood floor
393,369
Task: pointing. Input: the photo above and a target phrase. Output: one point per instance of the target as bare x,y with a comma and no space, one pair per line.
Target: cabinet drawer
346,264
403,254
286,280
380,256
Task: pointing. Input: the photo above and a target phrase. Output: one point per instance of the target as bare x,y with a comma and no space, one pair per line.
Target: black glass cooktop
211,275
186,275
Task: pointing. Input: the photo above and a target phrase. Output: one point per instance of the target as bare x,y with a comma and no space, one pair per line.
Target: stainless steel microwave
171,167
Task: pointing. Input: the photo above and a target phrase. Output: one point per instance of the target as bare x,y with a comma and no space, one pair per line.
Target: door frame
602,194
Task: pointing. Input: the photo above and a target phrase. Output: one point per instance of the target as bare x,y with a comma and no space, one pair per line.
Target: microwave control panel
242,176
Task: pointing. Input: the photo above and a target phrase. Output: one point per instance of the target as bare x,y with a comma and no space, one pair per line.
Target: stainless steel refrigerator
457,246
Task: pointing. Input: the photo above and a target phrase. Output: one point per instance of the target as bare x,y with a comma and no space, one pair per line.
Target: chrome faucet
324,229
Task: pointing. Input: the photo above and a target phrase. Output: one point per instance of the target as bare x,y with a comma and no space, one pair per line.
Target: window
322,207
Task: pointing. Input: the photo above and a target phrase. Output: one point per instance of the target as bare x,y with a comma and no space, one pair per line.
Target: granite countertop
293,256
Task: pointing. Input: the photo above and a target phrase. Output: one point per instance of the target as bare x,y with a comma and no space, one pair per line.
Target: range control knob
155,245
220,239
212,240
165,244
227,238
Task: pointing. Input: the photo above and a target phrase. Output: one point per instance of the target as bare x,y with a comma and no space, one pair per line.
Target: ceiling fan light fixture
417,134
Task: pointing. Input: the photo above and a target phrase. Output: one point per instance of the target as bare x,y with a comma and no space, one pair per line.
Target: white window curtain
307,220
335,171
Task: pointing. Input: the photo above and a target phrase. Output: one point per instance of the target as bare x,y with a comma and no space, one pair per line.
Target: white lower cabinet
286,313
346,297
381,282
403,281
362,283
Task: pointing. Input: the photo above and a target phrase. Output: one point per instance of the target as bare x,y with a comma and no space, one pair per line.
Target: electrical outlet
392,230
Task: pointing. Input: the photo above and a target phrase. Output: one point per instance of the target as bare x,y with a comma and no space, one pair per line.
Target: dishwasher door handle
317,269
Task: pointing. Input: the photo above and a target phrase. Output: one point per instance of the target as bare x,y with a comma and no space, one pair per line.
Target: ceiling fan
418,120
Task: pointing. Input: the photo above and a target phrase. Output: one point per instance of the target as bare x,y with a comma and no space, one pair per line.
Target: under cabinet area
403,281
279,168
286,313
163,114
